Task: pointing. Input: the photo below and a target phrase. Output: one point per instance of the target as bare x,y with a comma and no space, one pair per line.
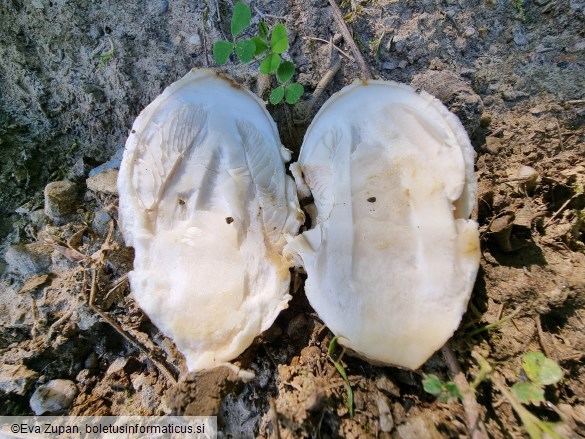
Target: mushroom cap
207,206
392,258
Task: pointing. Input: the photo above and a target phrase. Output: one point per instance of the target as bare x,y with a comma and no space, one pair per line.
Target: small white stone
194,40
53,397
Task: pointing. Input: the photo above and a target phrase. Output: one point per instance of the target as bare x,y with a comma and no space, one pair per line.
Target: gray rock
577,47
29,259
60,199
113,163
386,420
104,182
389,65
101,222
53,397
38,218
16,378
520,38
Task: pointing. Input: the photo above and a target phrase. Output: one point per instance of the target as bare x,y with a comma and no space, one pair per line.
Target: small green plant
519,6
267,46
337,363
540,371
377,46
494,325
106,57
444,391
355,10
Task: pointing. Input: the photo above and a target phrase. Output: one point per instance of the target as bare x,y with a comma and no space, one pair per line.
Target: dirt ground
75,74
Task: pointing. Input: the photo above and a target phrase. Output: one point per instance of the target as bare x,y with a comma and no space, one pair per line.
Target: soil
73,77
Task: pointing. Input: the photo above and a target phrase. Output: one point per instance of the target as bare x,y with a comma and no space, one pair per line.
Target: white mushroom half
391,257
206,204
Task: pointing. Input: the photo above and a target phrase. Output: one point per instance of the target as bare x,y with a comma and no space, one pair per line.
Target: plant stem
474,424
365,71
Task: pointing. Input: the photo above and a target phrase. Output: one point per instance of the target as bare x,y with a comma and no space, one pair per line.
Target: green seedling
337,363
519,6
444,391
541,371
244,48
377,45
290,91
494,325
355,10
106,57
267,46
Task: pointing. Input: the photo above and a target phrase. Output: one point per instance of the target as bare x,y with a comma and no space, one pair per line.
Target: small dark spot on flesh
133,131
229,220
181,202
371,200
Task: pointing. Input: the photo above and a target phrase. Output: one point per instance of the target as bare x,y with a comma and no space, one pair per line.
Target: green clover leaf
221,51
279,39
293,93
270,64
241,18
245,50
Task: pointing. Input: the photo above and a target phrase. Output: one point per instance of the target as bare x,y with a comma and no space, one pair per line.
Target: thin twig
541,338
322,85
342,52
116,285
565,204
133,340
474,424
58,323
274,418
365,71
560,136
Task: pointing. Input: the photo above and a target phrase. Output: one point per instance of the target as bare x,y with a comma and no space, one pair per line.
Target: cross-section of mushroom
206,204
391,257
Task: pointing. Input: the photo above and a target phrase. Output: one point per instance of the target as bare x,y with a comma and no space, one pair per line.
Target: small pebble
528,177
492,144
105,182
16,378
389,65
194,40
53,397
29,259
60,199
